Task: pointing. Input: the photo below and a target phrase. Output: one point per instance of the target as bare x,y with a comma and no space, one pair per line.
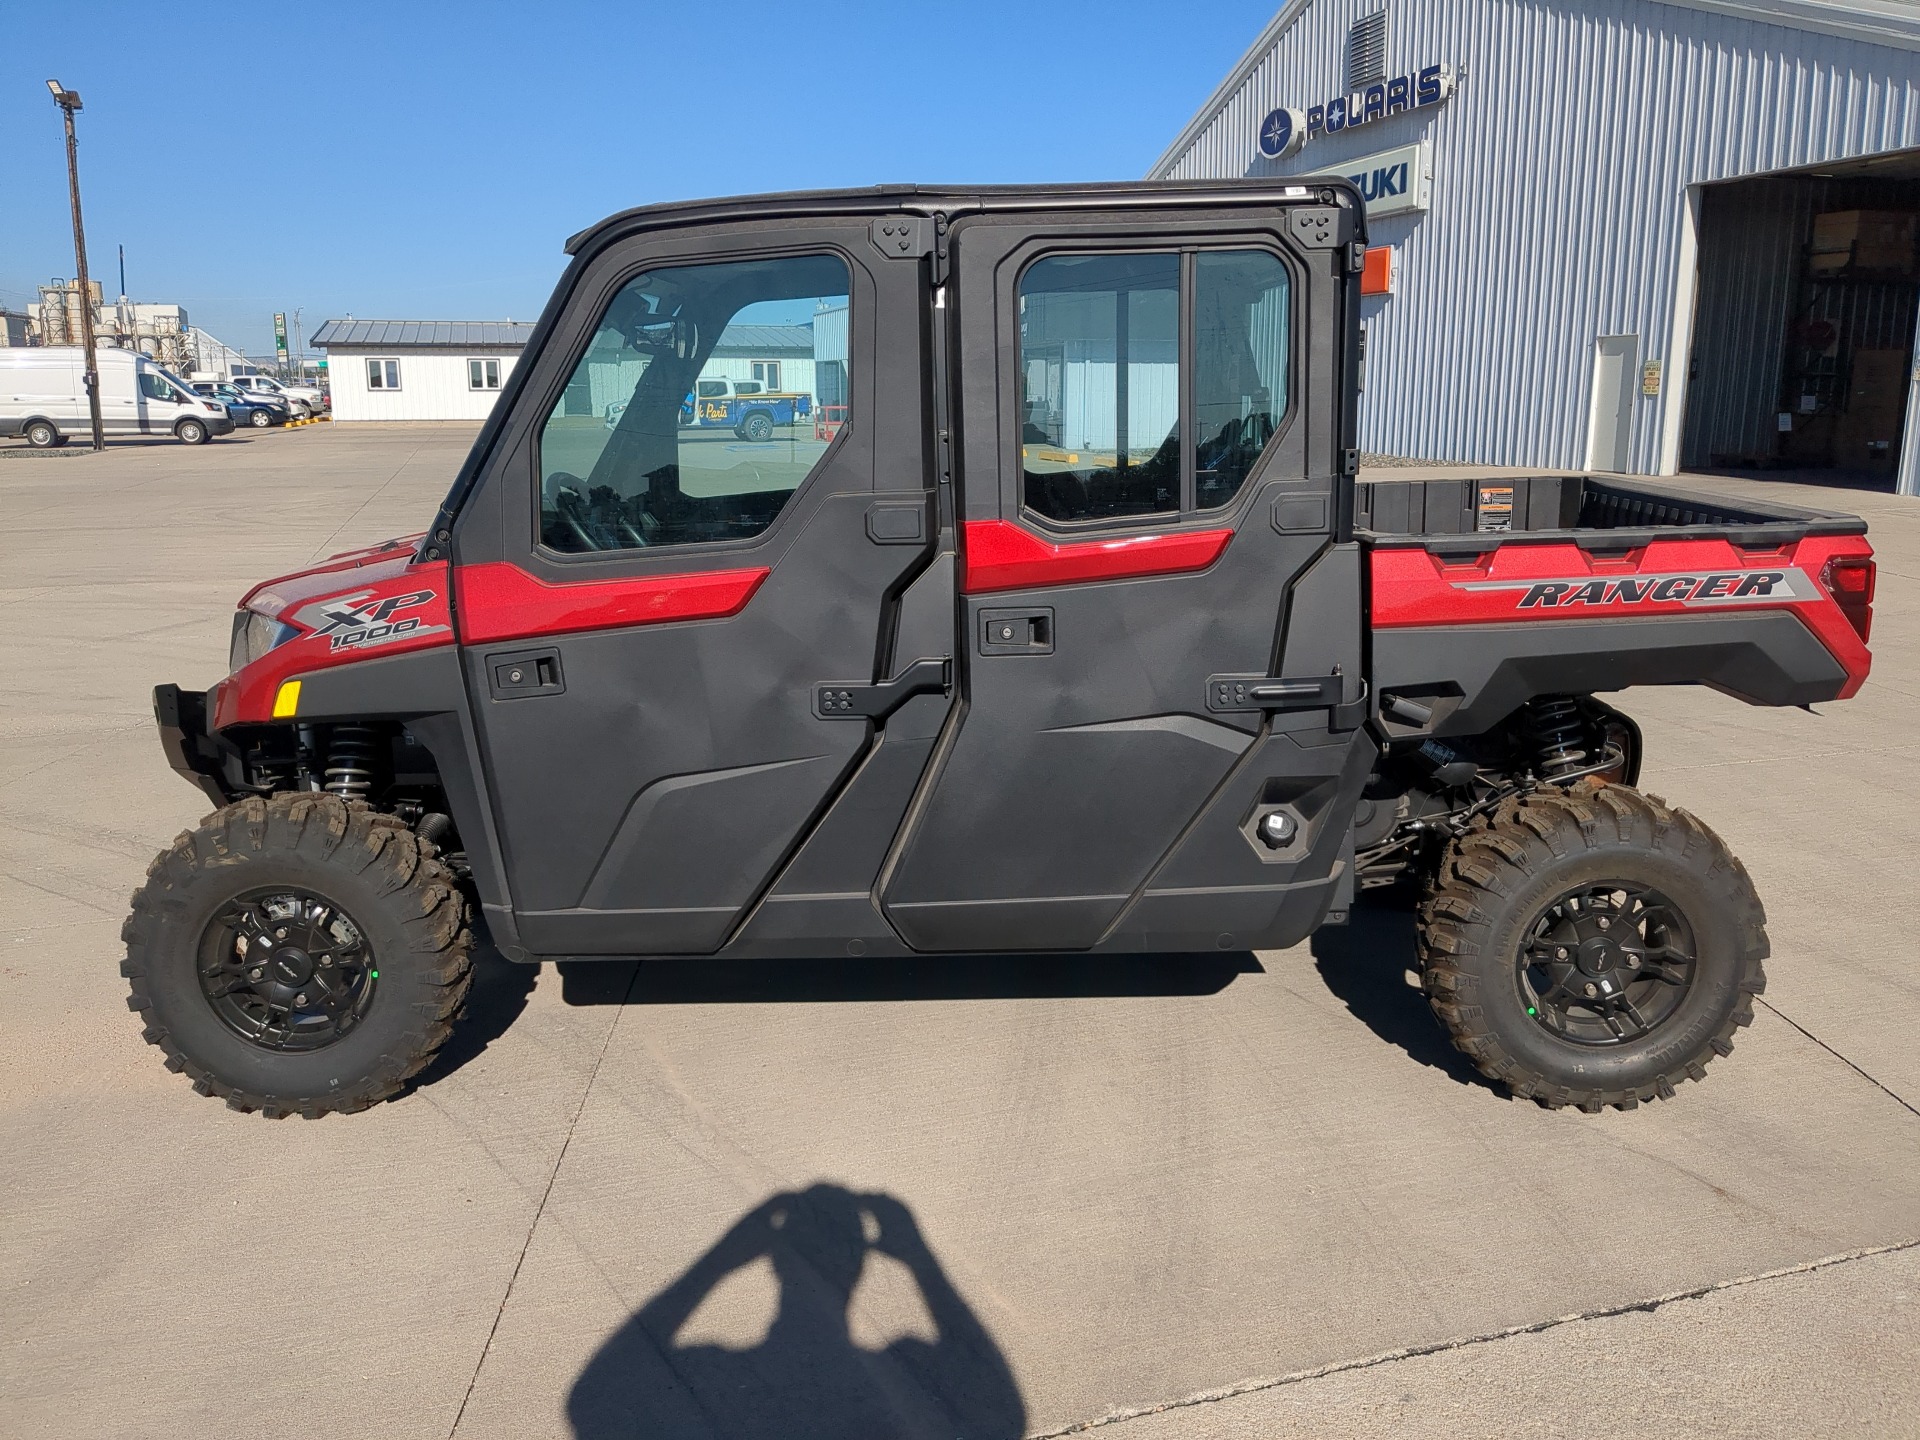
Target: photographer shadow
809,1376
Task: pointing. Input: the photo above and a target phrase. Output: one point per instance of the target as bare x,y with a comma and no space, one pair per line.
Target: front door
649,609
1150,494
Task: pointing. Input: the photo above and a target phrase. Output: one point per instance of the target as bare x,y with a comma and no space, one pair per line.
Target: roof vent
1367,51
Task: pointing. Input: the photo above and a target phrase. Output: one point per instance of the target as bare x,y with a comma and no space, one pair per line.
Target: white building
419,369
1621,234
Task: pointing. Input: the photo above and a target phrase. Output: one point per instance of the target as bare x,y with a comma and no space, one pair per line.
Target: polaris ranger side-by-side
1077,635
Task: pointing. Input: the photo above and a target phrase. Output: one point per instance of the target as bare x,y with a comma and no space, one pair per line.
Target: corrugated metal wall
1560,168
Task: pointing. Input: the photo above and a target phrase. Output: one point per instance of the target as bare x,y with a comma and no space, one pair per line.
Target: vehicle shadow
499,993
1365,963
810,1376
917,977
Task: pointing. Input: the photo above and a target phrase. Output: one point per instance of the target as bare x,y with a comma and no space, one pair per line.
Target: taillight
1849,579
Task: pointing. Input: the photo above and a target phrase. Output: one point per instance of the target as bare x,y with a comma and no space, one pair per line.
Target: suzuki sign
1392,182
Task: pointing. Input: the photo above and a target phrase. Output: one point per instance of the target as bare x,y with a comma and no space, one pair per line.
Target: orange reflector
287,700
1376,277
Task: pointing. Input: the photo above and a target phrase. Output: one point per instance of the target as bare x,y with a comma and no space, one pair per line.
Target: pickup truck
1160,675
745,407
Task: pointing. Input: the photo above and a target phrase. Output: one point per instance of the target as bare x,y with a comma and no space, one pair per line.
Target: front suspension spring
350,756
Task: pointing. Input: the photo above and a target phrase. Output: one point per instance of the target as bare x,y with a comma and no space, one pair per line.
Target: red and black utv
1077,634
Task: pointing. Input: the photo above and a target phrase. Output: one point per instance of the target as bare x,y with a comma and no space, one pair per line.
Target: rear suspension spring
1558,731
350,755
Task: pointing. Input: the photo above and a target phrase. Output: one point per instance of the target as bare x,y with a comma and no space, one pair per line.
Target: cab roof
956,199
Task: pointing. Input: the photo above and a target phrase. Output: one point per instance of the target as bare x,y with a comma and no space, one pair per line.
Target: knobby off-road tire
408,936
1501,899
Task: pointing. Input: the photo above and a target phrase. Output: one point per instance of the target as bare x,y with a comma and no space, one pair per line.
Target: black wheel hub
287,970
1606,964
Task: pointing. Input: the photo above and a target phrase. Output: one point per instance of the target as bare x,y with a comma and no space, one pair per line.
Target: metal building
418,369
1637,235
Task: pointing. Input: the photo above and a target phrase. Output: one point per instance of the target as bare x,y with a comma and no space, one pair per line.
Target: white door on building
1616,360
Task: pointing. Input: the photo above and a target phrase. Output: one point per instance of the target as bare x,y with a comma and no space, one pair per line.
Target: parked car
258,411
43,396
302,400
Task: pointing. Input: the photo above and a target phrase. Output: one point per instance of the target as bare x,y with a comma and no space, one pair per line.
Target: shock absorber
1559,734
350,754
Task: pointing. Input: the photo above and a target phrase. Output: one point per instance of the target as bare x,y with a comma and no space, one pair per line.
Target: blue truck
743,406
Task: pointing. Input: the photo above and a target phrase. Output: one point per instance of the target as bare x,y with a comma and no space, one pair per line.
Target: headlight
253,636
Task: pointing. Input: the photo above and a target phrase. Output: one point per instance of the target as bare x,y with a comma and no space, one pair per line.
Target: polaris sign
1286,131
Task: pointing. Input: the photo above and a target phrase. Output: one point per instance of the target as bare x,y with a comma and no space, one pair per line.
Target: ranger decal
1714,588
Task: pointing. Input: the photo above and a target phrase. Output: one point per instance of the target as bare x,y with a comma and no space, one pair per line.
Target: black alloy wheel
287,969
1606,964
1591,946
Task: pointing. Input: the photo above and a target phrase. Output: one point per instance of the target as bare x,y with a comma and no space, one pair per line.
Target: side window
1242,342
383,374
662,436
1103,350
155,388
1100,385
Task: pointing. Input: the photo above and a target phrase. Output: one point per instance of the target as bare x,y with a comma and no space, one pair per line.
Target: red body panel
1557,580
499,601
1000,555
345,612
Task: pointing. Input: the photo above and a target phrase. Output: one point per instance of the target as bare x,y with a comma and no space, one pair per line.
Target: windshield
157,382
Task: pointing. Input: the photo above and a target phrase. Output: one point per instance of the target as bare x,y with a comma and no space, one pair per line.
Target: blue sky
427,161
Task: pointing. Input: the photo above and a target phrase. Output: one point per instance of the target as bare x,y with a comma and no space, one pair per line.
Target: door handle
876,702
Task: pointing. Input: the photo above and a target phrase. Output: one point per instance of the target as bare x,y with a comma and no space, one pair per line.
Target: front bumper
203,760
220,424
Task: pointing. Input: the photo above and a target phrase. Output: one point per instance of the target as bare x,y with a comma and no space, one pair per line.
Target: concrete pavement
1057,1191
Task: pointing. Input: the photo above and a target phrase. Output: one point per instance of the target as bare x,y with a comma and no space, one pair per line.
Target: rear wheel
43,434
193,432
1592,947
757,427
297,955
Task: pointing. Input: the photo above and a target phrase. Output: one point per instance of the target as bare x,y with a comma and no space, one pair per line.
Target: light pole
299,349
69,101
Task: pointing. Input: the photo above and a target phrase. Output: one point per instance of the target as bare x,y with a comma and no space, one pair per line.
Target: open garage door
1804,336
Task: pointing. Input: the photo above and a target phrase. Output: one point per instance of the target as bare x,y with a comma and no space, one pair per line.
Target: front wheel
192,432
1592,947
297,955
260,419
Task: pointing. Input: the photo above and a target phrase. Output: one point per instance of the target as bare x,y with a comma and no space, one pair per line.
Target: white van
43,396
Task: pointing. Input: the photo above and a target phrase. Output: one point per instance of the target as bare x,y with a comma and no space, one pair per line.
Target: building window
383,374
655,462
1104,345
483,374
767,372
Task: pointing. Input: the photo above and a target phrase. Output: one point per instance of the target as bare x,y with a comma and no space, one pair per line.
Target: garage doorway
1804,333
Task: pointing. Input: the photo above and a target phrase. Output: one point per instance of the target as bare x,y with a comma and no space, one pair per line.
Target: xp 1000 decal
366,617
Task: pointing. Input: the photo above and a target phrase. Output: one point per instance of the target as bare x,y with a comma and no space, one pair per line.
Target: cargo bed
1474,514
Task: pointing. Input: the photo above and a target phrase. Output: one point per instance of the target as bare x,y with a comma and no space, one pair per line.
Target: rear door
650,608
1150,436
